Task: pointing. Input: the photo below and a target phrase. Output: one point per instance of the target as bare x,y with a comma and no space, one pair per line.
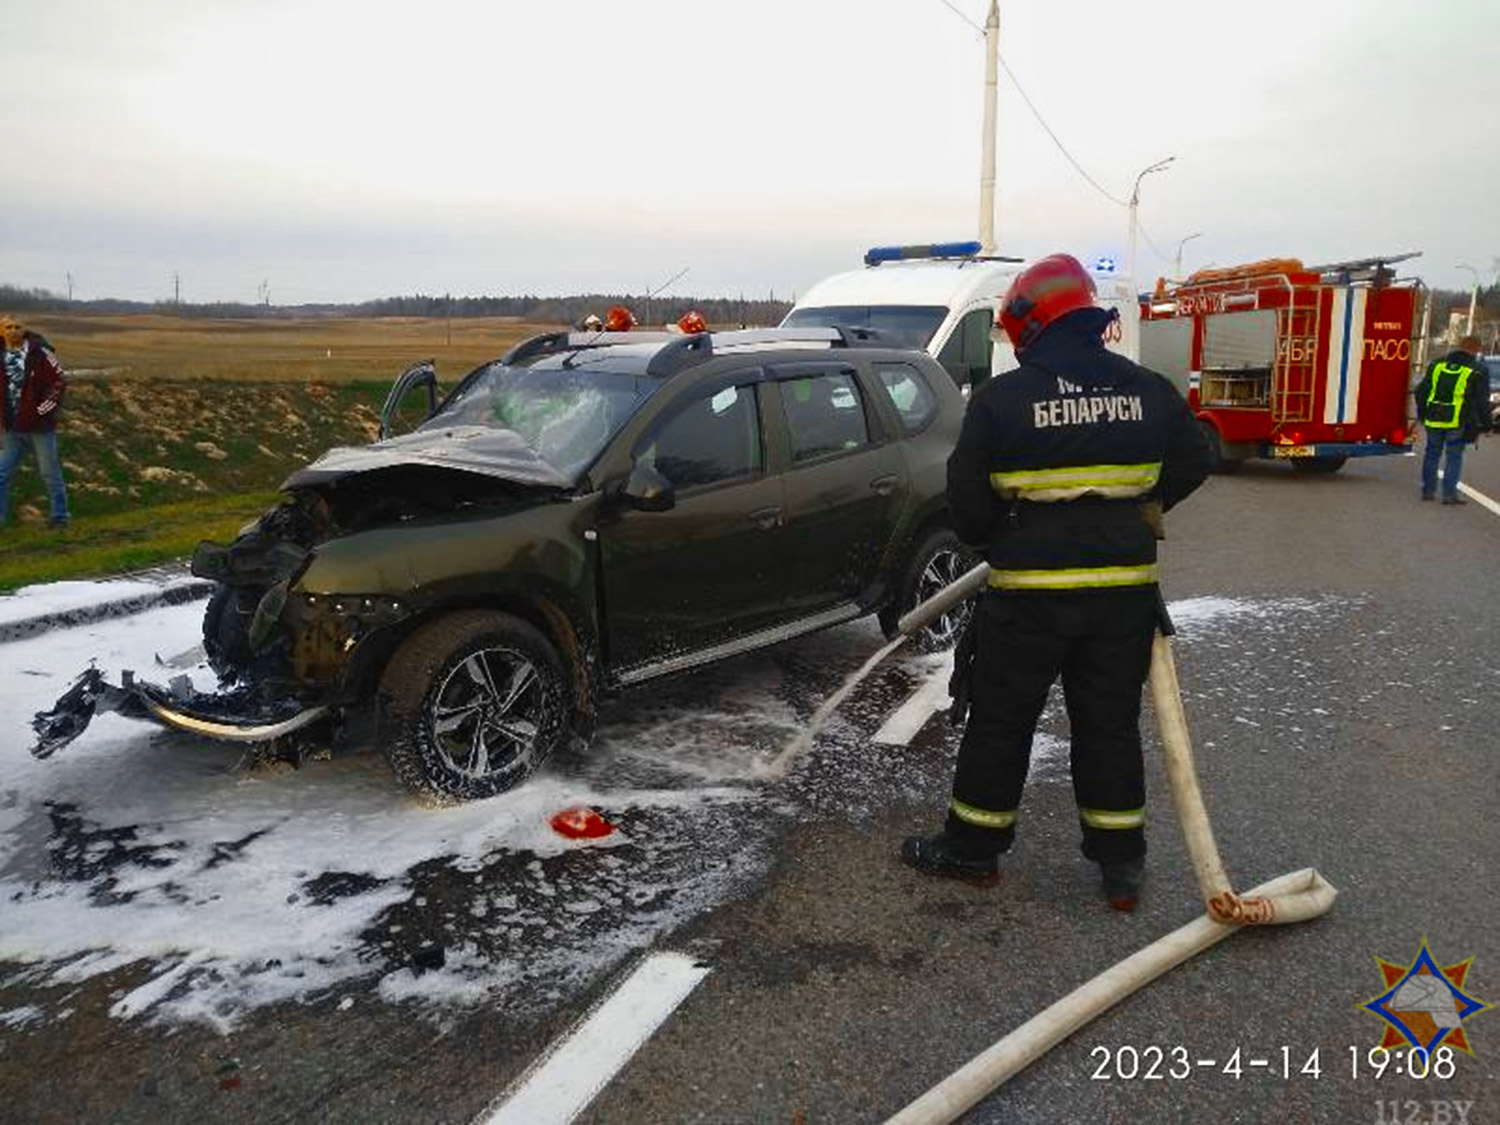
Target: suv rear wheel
940,559
471,704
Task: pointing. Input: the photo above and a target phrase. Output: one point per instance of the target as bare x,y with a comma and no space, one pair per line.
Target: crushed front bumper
228,716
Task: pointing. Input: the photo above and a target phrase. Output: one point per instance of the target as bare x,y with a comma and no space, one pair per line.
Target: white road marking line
559,1086
911,716
1476,495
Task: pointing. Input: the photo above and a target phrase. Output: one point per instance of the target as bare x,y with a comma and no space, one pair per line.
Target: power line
959,13
1038,113
1060,147
1149,244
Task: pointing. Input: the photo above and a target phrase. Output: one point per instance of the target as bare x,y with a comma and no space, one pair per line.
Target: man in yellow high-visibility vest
1453,404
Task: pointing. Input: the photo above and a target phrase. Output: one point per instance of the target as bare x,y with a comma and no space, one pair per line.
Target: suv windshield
565,415
906,326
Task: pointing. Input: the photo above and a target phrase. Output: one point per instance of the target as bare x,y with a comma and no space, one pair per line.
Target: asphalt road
1343,710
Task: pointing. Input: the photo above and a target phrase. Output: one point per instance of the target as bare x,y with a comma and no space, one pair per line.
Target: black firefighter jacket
1057,457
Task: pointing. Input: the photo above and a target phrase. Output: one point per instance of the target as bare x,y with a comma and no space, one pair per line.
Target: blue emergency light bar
877,254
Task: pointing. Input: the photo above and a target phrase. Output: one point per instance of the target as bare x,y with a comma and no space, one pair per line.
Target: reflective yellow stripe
1073,579
1107,818
1112,482
1450,407
983,817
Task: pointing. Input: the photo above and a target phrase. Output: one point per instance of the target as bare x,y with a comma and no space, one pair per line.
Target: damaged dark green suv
588,513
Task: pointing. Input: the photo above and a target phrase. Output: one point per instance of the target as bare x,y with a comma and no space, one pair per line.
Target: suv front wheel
471,704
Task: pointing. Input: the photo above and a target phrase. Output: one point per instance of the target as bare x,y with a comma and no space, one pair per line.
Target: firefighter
1453,403
1057,473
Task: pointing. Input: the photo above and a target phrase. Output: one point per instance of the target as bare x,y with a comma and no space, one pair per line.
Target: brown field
174,429
280,350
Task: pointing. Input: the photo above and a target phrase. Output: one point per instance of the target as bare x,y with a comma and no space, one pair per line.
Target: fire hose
1295,897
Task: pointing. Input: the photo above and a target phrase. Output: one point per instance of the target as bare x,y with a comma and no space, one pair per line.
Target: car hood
483,450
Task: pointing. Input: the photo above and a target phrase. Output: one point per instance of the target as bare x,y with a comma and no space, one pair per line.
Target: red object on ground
581,823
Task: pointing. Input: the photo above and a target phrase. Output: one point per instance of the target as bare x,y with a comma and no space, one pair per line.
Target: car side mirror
648,491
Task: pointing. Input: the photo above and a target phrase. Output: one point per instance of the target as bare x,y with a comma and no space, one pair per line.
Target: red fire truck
1309,364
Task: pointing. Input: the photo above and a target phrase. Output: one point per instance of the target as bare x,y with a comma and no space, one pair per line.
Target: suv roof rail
686,351
573,340
534,346
679,351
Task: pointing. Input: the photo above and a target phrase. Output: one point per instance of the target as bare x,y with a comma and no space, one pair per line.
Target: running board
775,635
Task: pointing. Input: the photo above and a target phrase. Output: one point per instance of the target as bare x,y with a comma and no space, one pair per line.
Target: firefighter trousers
1099,643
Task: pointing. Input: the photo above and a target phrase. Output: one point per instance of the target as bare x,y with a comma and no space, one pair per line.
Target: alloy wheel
944,568
487,713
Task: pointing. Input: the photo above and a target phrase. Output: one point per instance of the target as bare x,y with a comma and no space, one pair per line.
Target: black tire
1217,462
226,630
497,678
938,560
1318,464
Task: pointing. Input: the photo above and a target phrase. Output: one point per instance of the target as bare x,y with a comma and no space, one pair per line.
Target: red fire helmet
619,319
1042,292
692,321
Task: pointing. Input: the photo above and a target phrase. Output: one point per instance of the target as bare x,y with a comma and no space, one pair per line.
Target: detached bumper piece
229,716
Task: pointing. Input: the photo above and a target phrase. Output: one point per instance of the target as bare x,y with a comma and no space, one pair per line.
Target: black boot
936,855
1122,883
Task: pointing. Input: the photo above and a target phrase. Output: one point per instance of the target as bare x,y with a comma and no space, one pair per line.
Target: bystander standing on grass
34,384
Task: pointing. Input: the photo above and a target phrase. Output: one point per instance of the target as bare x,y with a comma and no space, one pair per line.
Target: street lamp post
1473,296
1135,202
1177,262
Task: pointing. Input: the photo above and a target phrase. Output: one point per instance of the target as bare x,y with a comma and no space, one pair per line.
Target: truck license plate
1296,451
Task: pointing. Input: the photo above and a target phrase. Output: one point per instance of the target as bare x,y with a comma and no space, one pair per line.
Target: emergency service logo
1425,1005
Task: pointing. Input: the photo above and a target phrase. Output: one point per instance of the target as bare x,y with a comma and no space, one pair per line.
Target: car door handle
766,518
884,486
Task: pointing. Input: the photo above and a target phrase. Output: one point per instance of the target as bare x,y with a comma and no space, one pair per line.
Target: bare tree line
539,310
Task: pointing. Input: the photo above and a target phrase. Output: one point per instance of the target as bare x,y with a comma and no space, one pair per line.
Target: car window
714,438
824,415
906,326
565,417
909,393
966,355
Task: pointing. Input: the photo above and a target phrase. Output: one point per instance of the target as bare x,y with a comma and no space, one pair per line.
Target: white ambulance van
943,298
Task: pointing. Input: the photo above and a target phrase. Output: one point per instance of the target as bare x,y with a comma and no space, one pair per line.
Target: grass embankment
123,541
175,431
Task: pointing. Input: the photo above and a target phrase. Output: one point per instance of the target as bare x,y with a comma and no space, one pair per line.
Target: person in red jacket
29,404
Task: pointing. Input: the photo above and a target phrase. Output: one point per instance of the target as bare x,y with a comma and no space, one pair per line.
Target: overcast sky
343,151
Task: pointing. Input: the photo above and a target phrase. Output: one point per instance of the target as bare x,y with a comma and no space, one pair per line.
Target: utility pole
448,304
1473,296
69,276
987,149
177,289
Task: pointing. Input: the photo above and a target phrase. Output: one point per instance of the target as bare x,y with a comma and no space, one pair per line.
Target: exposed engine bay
281,656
